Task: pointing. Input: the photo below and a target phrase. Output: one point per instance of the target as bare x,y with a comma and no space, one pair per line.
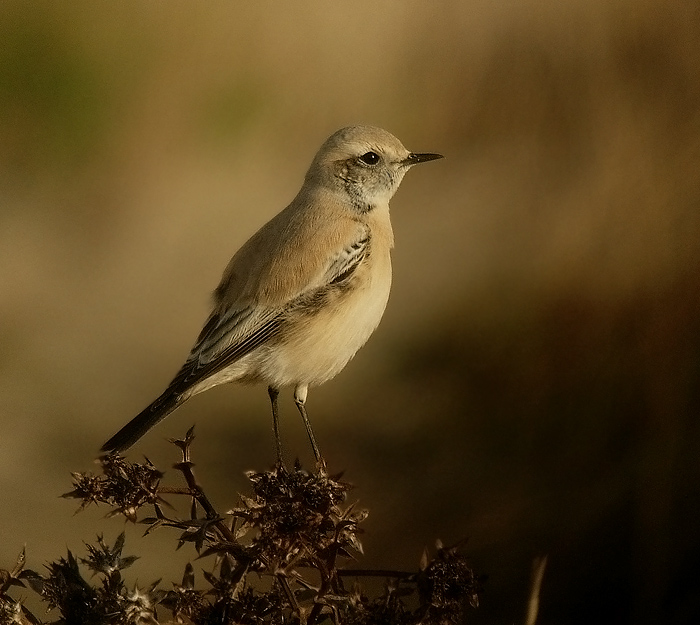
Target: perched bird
306,291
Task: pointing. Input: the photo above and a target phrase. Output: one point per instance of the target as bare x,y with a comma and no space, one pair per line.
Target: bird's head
365,162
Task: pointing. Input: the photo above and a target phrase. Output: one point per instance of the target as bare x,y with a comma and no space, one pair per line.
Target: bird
306,291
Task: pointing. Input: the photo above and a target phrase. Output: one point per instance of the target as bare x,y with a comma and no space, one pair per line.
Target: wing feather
231,334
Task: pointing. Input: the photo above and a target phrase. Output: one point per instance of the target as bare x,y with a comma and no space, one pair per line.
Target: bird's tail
144,421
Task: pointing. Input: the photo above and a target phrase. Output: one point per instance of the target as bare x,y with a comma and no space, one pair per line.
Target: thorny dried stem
533,605
295,530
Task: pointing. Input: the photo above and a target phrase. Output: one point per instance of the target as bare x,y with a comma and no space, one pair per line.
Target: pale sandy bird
306,291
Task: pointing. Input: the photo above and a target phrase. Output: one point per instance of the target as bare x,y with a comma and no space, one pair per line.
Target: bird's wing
234,331
226,337
345,261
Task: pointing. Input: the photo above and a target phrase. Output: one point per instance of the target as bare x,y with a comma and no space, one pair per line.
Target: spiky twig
295,529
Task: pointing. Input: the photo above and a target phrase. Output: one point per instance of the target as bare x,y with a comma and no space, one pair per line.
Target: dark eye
370,158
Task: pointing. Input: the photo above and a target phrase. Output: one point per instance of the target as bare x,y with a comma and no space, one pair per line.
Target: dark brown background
534,384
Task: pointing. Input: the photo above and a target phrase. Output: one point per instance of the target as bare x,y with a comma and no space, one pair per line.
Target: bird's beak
414,159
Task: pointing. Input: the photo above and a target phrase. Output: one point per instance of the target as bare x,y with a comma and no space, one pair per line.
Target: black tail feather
144,421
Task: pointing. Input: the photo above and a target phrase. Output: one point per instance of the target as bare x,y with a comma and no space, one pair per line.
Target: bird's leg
273,393
300,400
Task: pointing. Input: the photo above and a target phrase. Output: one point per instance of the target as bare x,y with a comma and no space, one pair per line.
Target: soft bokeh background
534,386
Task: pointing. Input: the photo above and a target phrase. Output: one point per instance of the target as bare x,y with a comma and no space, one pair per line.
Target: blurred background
534,385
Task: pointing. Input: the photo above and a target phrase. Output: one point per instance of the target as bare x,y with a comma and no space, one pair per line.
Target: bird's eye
370,158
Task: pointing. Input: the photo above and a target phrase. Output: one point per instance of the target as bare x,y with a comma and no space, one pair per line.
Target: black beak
414,159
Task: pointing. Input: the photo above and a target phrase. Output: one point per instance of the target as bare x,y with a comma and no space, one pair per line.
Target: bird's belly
319,343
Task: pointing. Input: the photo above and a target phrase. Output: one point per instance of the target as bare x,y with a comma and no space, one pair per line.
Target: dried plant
294,532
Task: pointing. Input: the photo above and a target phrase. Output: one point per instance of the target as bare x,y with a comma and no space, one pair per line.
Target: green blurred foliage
54,104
